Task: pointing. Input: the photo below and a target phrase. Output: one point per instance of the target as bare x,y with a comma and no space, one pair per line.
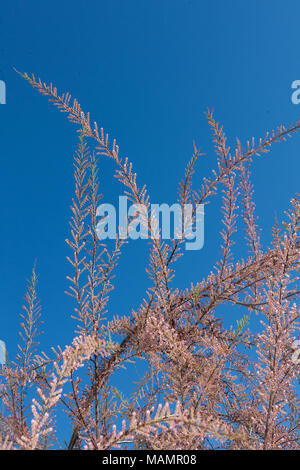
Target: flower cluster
222,388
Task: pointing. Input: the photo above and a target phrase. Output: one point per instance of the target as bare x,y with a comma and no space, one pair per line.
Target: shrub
204,385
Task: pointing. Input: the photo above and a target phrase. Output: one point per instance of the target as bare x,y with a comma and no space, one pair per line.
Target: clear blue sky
146,70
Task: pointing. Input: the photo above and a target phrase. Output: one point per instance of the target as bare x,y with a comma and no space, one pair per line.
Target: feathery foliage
221,388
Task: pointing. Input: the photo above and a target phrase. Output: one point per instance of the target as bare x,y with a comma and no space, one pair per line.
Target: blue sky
146,70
